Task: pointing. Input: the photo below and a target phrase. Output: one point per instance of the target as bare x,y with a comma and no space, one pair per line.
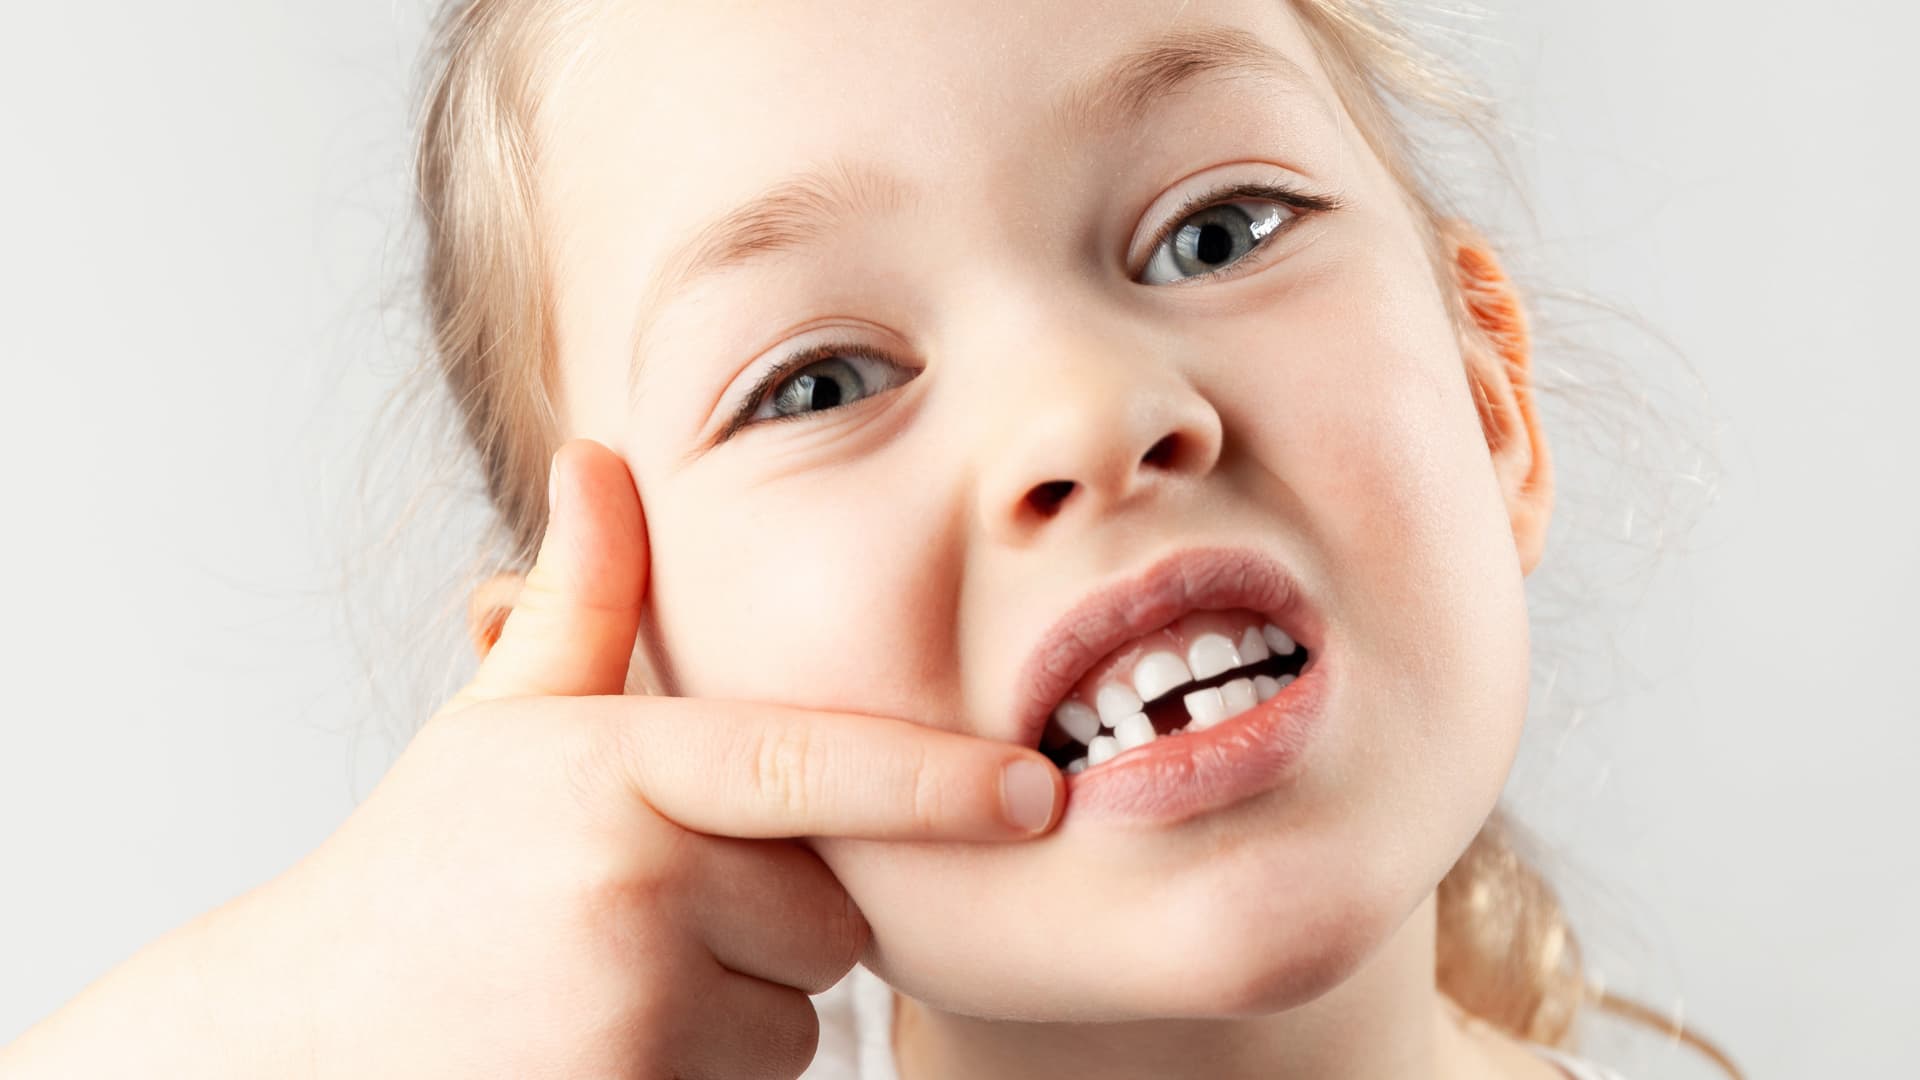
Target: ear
488,608
1499,354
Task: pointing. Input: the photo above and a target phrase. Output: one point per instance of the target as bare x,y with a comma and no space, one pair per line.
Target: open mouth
1203,669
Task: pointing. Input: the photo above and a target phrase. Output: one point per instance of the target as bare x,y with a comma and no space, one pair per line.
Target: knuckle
632,898
650,1033
787,768
928,804
655,1015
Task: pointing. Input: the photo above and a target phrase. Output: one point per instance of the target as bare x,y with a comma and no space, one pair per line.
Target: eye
815,380
1221,228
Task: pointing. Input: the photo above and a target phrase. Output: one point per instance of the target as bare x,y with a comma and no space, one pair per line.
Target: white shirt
856,1035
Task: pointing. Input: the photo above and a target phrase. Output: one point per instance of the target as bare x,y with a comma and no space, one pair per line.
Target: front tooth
1211,654
1277,638
1239,696
1206,707
1135,730
1265,686
1101,748
1253,647
1158,673
1115,703
1077,720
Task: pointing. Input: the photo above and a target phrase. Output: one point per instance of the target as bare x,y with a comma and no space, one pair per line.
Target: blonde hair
1505,952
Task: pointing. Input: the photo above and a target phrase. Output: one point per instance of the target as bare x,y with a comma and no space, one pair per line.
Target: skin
884,558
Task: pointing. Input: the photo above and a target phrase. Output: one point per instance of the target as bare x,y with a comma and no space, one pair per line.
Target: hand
558,880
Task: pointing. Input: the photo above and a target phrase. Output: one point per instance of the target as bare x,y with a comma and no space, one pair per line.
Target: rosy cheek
791,593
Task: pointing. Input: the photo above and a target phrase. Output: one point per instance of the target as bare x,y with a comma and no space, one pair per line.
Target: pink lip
1176,777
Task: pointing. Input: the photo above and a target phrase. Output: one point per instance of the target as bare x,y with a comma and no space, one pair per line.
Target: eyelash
1301,202
813,354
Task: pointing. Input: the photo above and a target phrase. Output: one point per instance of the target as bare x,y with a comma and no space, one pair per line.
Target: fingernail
1026,790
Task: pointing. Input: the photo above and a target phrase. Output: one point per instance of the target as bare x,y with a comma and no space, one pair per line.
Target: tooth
1239,696
1211,654
1283,680
1158,673
1253,647
1077,720
1077,765
1277,638
1206,707
1135,730
1101,748
1265,686
1115,703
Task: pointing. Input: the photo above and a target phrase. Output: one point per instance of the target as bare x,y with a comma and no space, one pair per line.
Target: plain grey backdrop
203,214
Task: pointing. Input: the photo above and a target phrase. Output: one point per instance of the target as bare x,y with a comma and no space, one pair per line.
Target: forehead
673,116
725,96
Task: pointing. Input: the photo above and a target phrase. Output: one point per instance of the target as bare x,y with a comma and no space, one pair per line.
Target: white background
204,225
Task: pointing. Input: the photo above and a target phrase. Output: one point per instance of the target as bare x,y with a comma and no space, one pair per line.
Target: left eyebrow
805,208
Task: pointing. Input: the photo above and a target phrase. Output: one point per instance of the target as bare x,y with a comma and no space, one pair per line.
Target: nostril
1161,453
1046,498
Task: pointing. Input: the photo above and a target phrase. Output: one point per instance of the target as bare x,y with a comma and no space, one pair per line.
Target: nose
1097,423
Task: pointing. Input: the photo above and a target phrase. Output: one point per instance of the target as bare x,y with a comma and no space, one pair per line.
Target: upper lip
1193,579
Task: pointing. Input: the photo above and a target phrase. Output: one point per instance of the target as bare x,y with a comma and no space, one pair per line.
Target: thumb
572,627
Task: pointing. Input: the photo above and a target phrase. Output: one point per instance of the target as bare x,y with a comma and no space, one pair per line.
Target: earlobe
488,608
1499,353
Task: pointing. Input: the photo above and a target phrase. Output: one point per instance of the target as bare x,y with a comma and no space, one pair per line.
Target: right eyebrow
802,209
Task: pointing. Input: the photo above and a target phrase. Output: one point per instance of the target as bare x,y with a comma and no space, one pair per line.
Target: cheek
1359,408
1359,416
795,593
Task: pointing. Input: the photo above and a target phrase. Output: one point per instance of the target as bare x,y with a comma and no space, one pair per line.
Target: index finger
751,769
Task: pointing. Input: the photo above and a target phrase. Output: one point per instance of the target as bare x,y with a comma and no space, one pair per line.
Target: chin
1248,943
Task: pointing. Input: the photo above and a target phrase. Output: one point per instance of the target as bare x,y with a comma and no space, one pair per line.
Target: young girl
1034,556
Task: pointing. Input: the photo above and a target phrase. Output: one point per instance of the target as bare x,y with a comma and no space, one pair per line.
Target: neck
1387,1020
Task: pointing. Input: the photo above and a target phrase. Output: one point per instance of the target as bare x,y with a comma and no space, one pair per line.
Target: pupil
1214,245
826,392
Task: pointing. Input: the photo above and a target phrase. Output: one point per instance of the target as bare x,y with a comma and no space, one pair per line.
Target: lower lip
1176,777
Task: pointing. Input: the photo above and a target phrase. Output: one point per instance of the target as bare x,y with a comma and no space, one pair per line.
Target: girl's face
1026,401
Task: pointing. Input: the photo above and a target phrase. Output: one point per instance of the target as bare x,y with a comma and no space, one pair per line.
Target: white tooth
1159,672
1265,686
1206,707
1278,640
1101,748
1135,730
1211,654
1283,680
1253,647
1116,702
1077,720
1239,696
1077,765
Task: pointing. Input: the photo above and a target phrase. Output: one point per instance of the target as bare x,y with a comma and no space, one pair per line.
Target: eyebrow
807,207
